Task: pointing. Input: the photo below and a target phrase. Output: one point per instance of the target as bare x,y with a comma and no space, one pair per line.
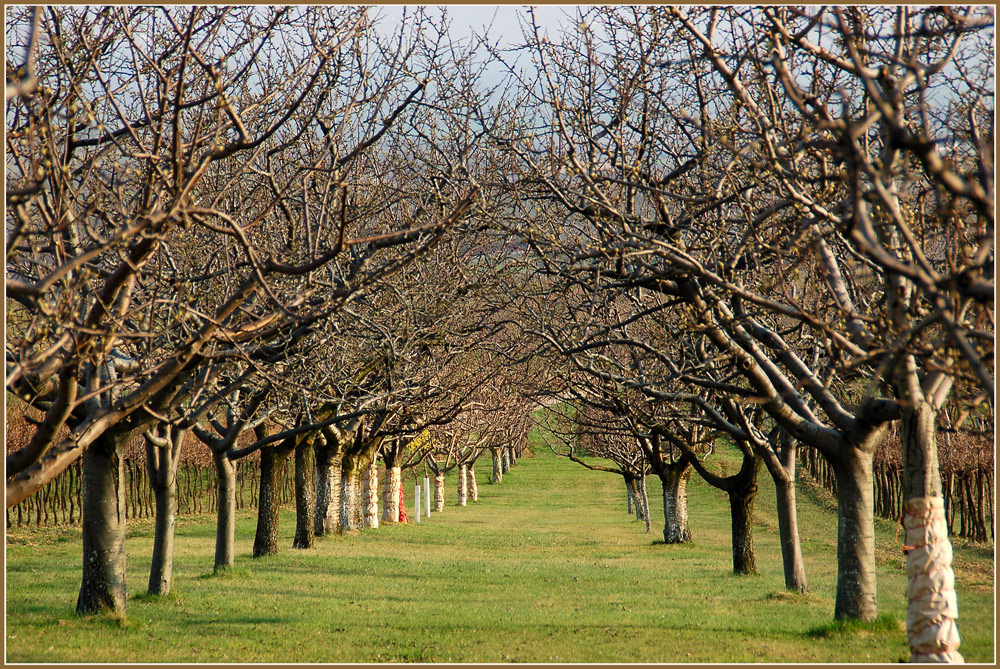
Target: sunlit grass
546,567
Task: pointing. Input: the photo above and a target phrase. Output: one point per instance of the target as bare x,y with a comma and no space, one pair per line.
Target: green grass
546,567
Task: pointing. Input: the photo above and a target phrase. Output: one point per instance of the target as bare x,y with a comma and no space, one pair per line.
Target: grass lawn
546,567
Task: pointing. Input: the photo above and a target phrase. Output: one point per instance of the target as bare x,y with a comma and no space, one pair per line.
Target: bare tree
135,155
692,164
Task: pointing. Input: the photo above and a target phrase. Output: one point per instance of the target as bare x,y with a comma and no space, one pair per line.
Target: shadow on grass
146,597
982,551
234,573
110,620
793,596
885,623
661,542
201,623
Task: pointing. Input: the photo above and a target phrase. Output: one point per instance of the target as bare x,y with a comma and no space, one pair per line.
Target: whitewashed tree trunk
371,495
350,501
427,497
505,460
462,485
390,495
497,466
328,496
675,515
473,486
439,492
416,502
933,604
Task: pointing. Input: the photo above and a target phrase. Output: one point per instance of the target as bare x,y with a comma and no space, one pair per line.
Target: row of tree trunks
968,495
370,500
498,469
819,469
635,498
60,502
643,500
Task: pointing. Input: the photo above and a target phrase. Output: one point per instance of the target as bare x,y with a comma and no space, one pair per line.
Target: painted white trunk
416,502
349,502
675,515
505,460
439,492
642,501
473,487
427,497
933,605
497,467
390,495
328,498
462,483
370,485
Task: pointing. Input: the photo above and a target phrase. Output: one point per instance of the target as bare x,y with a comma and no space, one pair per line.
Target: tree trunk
505,460
305,494
643,502
630,498
328,482
933,606
390,495
225,526
497,466
675,516
438,493
855,537
473,486
272,464
162,460
788,531
741,500
462,485
165,495
350,500
370,483
103,500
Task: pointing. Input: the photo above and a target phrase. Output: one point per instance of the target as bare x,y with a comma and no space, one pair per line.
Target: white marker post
427,495
416,501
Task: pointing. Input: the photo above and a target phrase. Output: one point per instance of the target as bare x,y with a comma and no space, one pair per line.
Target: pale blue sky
503,19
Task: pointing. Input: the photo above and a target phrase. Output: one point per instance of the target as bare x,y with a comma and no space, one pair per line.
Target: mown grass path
546,567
